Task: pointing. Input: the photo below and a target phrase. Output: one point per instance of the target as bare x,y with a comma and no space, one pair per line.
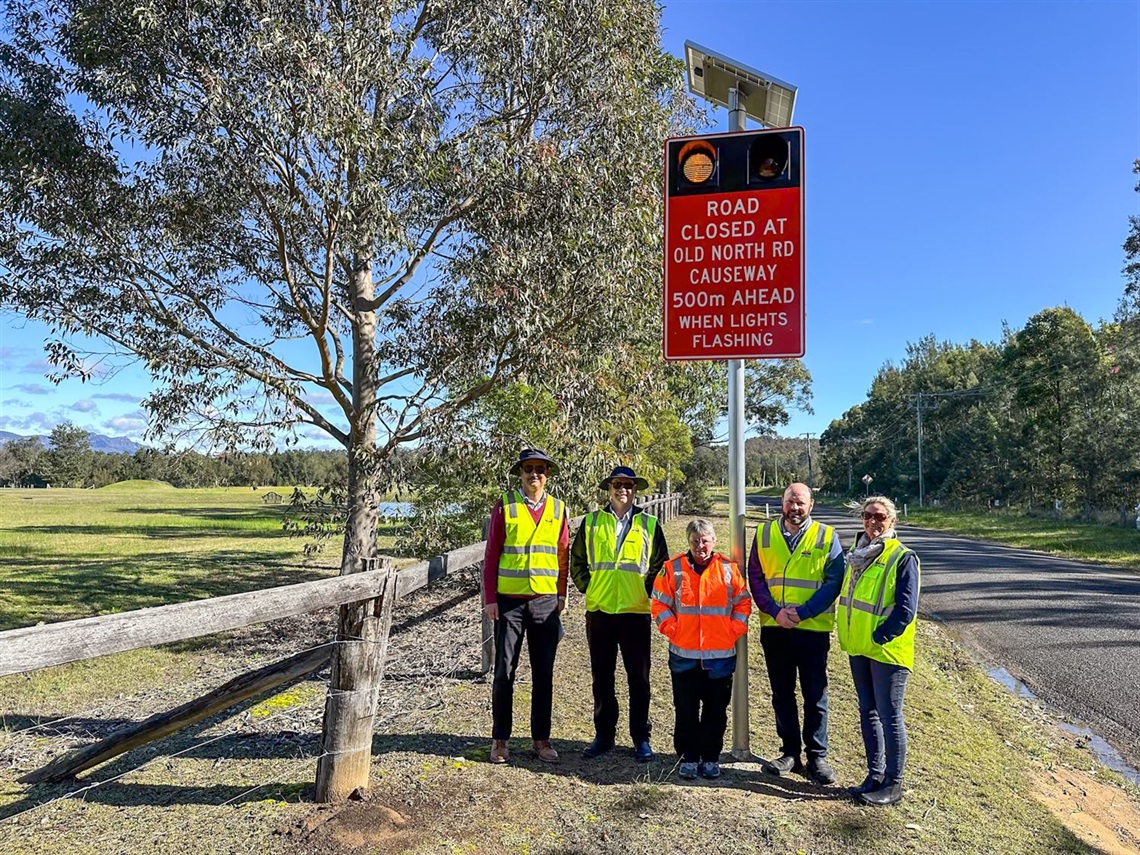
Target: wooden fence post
487,626
350,707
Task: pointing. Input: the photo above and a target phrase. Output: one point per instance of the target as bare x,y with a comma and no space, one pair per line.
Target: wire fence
423,656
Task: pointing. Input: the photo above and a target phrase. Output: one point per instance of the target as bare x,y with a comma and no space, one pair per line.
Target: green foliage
771,386
1045,415
68,459
1132,255
21,462
356,217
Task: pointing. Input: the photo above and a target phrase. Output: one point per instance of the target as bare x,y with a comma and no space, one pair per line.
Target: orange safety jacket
703,614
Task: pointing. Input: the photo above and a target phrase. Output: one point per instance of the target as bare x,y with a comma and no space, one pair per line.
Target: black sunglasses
868,515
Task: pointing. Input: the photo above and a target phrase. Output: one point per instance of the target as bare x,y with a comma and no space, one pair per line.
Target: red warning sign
734,261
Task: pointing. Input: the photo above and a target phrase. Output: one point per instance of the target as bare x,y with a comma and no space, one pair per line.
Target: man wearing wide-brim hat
617,554
524,592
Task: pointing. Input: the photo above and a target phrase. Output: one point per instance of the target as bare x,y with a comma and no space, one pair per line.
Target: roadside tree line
67,460
1048,415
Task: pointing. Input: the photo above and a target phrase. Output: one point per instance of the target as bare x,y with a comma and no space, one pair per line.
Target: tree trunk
350,708
358,660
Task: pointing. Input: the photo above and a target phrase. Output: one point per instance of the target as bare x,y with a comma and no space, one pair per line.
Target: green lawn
75,553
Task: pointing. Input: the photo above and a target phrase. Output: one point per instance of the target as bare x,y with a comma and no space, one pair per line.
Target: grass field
74,553
987,773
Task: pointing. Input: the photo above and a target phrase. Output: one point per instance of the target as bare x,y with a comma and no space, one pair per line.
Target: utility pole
811,475
918,404
918,411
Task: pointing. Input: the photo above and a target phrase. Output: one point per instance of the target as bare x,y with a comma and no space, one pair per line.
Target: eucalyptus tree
68,458
350,217
1054,366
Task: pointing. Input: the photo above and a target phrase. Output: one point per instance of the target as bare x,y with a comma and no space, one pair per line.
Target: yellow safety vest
865,601
617,577
792,579
528,563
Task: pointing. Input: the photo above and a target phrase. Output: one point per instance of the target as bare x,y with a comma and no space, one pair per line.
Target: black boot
887,794
598,747
871,782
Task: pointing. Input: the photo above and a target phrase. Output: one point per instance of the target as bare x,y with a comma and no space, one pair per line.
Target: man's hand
491,610
561,604
787,618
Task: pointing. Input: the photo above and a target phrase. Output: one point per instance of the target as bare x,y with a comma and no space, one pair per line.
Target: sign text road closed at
734,261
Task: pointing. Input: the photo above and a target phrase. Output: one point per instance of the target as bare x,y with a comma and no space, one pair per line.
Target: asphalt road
1069,631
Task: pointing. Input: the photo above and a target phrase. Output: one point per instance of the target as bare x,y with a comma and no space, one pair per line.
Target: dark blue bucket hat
624,472
528,455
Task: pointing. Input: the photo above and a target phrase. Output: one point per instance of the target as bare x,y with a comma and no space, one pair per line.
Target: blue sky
967,163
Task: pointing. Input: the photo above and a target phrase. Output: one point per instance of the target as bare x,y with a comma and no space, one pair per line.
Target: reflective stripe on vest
793,577
528,562
863,607
683,612
617,575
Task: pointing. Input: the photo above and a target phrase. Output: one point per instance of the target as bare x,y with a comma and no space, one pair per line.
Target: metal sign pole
740,734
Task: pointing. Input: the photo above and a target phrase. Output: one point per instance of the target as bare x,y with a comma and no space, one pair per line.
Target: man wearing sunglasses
524,592
795,571
617,554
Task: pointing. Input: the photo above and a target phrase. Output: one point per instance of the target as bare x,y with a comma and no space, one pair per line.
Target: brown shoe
499,751
545,751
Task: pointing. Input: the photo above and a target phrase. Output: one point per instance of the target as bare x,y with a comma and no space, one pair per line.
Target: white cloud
85,406
35,422
32,388
129,423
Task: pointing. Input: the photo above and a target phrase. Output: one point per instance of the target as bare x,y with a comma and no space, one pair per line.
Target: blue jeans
880,688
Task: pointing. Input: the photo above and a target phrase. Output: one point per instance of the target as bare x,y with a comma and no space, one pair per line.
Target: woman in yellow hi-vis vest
524,592
875,620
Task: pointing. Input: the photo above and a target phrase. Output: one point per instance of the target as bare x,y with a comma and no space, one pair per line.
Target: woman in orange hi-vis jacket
701,604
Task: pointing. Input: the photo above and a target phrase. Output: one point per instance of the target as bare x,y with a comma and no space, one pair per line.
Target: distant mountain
105,444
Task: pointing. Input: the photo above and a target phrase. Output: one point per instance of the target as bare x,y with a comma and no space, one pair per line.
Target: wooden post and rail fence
346,743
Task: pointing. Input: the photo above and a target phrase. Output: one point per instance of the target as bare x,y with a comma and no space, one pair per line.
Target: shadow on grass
222,512
147,532
125,795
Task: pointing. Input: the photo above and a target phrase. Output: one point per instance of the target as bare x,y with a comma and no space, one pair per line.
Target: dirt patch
1101,815
360,826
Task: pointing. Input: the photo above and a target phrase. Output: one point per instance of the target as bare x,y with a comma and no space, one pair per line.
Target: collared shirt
623,522
821,600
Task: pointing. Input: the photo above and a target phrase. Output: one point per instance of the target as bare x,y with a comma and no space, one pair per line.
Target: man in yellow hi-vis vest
617,554
794,572
524,593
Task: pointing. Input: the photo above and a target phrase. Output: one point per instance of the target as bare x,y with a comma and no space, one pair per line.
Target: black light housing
768,158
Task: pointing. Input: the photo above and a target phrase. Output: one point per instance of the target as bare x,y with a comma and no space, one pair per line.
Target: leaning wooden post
354,685
487,626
